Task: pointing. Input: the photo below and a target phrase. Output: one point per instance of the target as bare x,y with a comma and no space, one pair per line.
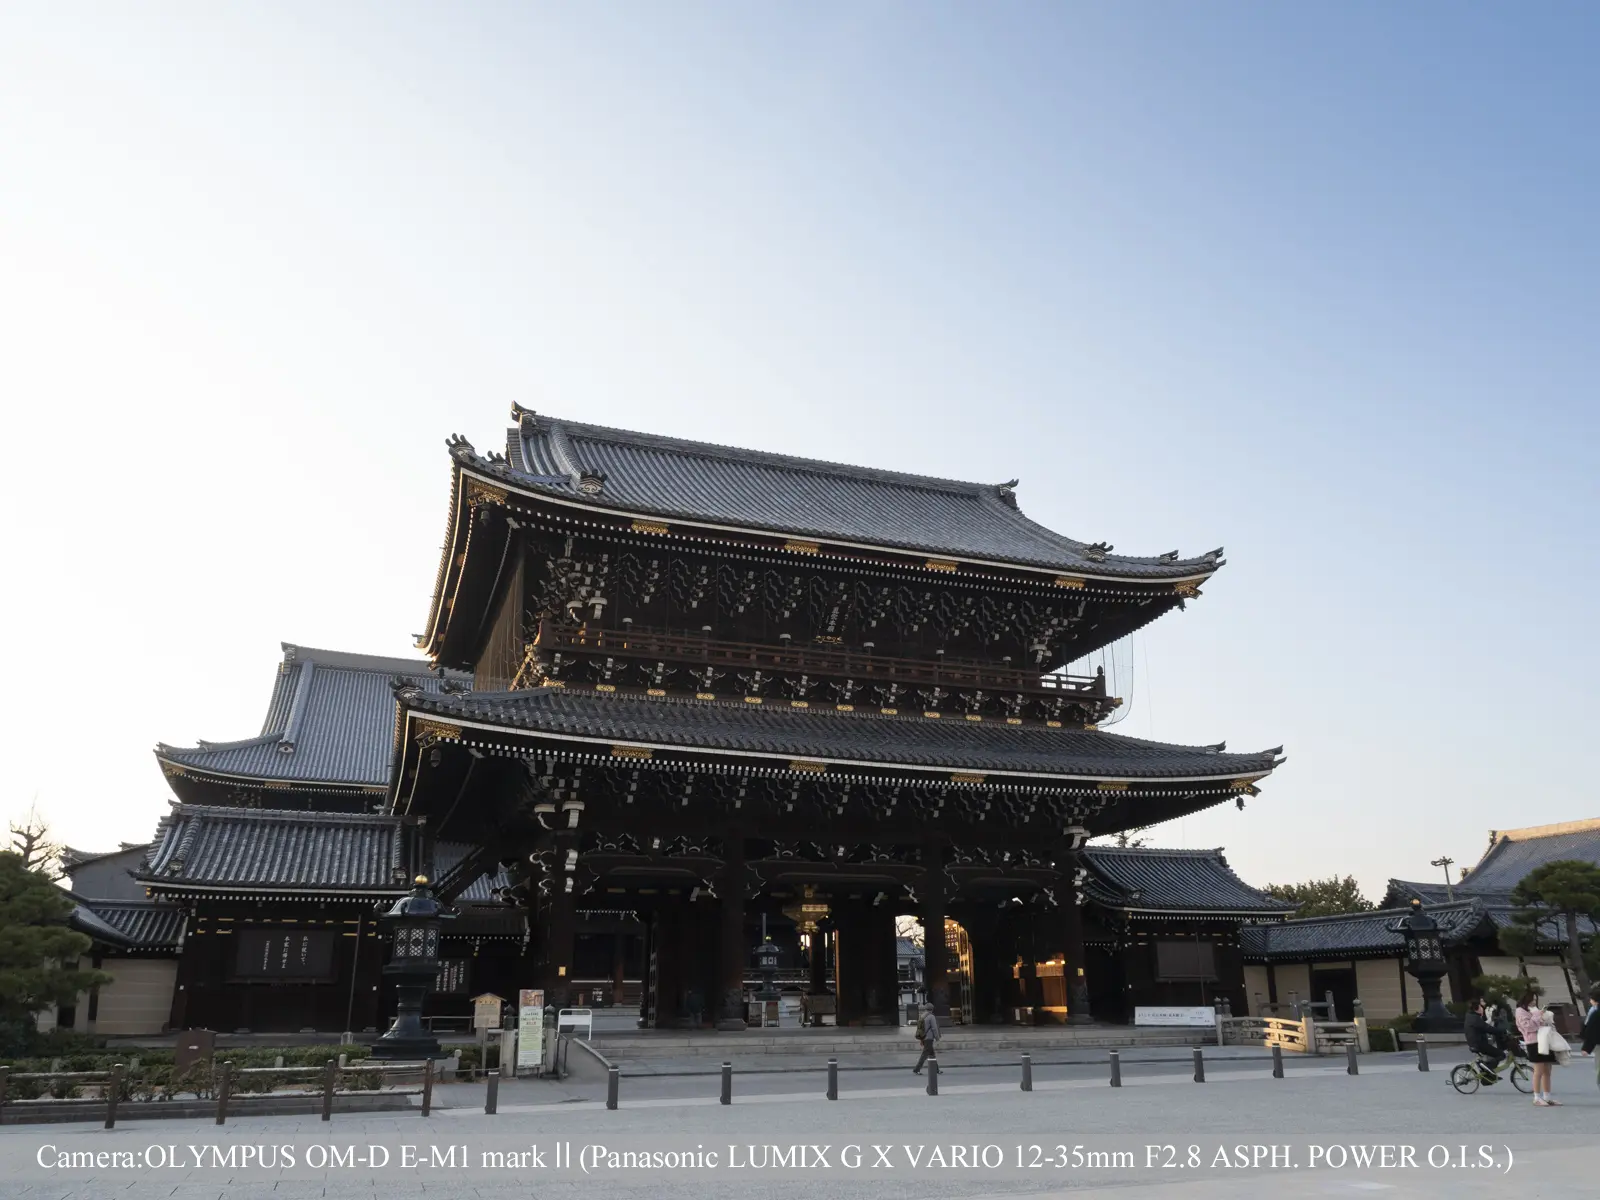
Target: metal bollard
933,1075
5,1080
1277,1062
1116,1069
1199,1066
1350,1065
224,1086
833,1079
1027,1071
613,1078
727,1083
491,1101
1422,1053
427,1086
327,1090
113,1096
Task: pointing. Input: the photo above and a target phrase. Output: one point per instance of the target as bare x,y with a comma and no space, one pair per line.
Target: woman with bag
1530,1022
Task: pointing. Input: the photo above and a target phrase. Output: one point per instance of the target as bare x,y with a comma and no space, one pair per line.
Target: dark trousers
929,1050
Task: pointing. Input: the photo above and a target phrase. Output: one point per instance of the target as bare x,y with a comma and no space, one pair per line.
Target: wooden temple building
673,689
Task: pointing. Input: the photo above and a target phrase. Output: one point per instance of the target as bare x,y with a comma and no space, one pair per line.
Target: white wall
1378,986
140,998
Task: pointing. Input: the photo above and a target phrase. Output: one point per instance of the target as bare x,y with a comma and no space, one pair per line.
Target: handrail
822,659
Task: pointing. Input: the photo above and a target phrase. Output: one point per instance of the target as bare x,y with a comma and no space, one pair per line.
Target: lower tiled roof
1137,878
246,849
147,924
782,730
1356,935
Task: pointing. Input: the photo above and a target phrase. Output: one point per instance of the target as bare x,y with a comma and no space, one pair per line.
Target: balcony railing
814,659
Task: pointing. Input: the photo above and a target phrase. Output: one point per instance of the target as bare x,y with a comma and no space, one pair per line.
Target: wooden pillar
619,965
732,953
936,956
882,999
852,961
1071,936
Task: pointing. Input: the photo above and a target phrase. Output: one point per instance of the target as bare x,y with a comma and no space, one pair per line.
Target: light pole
1446,864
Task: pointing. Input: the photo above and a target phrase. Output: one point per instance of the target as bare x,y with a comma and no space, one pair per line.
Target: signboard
275,954
1143,1015
452,977
487,1011
530,1028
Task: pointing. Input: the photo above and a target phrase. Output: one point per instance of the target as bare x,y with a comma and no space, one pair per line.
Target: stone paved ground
1318,1114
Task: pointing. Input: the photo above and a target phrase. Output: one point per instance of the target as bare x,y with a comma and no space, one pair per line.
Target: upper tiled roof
1355,934
645,474
1513,853
330,721
269,849
1173,880
819,733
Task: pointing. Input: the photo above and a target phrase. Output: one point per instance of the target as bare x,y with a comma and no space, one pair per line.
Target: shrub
1382,1041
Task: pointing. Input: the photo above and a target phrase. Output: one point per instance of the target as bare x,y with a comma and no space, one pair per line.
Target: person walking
928,1035
1530,1019
1591,1026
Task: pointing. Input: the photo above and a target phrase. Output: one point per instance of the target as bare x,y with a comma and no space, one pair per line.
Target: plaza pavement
1551,1152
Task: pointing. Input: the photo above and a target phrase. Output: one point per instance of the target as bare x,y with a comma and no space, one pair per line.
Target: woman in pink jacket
1529,1019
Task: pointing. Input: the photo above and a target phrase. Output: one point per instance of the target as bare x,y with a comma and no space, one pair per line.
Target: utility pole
1445,864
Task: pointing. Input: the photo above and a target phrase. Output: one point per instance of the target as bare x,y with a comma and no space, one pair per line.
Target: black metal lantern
767,963
1426,963
414,924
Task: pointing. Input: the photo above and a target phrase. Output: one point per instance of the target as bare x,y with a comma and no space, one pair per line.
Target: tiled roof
1355,935
482,889
641,473
200,846
1496,903
146,924
85,920
1516,852
330,720
1172,880
819,733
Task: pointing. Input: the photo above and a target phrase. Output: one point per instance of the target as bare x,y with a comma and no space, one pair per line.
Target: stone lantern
414,924
1425,961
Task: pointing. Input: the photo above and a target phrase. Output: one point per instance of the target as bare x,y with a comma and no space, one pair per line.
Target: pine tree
38,950
1558,892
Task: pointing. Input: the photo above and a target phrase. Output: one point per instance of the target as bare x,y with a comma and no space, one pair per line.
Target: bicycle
1469,1077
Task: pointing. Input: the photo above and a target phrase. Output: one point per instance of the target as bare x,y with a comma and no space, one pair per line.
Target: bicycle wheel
1465,1080
1521,1077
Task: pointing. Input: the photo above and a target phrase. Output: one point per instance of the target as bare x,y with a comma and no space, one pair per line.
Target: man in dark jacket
928,1035
1483,1041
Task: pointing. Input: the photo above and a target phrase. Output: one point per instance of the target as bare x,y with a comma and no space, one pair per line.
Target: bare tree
30,839
908,927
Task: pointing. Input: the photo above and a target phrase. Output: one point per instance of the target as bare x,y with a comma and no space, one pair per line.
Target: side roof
630,473
1139,879
213,849
1356,935
330,721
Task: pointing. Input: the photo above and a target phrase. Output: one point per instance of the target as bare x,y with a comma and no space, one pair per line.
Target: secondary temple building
675,692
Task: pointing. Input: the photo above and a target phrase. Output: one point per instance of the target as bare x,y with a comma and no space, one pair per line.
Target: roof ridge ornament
1007,492
1097,551
460,448
590,481
527,420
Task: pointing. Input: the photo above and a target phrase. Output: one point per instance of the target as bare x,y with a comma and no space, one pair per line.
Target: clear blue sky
1316,282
